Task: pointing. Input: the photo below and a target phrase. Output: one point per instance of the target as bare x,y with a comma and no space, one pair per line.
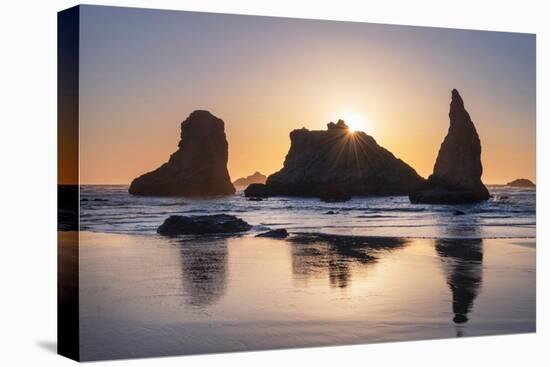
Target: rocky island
337,163
521,182
456,177
244,182
197,168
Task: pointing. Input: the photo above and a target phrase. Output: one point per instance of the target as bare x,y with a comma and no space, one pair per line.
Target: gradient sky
142,72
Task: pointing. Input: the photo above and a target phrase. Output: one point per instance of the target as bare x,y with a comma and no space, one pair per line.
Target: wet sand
144,296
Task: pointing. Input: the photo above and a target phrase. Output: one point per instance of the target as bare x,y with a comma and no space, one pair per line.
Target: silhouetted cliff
457,172
197,168
351,163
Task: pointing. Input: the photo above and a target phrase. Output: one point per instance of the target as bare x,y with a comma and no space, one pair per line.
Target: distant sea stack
456,178
243,182
197,168
338,160
521,182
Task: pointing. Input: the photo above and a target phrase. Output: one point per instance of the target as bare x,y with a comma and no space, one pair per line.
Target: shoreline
252,234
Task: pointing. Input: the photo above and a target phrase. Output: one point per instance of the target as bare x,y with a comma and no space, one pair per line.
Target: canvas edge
68,43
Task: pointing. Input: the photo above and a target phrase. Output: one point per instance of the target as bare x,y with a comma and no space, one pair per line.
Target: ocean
377,270
510,213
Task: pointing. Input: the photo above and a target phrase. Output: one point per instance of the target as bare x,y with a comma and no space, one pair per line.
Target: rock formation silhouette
521,182
338,159
202,224
456,178
197,168
274,233
255,178
257,190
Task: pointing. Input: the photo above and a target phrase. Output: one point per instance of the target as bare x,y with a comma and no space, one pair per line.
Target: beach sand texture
146,295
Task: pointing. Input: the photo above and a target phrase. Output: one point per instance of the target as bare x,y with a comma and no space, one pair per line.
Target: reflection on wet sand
316,254
204,264
462,256
459,226
151,295
462,262
204,270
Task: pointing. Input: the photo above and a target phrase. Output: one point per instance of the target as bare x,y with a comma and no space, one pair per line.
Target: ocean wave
123,213
171,204
390,209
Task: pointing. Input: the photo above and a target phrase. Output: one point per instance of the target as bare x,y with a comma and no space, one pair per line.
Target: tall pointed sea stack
197,168
340,163
456,178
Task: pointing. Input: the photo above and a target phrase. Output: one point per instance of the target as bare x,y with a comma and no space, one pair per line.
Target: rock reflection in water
204,269
317,254
462,261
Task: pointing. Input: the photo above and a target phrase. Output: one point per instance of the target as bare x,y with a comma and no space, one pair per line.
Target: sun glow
355,122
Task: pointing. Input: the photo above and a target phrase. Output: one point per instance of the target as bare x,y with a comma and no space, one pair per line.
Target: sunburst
355,121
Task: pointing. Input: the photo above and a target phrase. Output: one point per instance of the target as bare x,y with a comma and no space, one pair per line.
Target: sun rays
350,150
355,121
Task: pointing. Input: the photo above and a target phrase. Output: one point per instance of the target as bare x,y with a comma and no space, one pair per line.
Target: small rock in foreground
276,233
202,224
257,190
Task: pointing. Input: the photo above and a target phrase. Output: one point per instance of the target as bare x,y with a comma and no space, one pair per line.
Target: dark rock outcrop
521,182
243,182
257,190
275,233
197,168
456,178
338,159
202,224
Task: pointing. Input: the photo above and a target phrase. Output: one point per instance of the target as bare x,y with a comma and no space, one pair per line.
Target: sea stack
197,168
339,160
456,178
521,182
255,178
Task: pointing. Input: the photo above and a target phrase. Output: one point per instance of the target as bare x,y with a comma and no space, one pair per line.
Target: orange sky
143,72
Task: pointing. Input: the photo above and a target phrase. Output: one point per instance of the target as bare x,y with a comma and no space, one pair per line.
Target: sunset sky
142,72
